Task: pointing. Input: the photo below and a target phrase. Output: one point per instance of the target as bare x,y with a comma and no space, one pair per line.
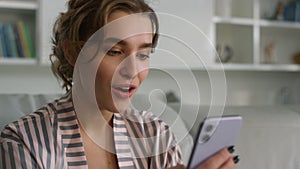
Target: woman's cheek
143,75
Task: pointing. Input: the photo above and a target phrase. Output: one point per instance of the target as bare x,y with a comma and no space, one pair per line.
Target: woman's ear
69,52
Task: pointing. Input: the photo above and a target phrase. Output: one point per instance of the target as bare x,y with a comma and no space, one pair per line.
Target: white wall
243,88
27,79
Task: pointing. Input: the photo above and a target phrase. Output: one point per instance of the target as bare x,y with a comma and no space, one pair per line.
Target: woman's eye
142,56
114,52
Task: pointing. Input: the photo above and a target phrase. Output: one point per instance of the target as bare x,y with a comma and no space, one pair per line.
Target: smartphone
214,134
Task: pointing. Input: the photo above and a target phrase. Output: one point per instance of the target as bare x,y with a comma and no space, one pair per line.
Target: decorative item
296,58
292,11
279,11
284,96
223,8
225,53
171,97
269,52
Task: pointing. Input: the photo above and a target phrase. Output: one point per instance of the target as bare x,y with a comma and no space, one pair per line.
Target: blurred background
257,44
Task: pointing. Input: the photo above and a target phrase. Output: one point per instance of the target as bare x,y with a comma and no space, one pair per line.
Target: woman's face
126,61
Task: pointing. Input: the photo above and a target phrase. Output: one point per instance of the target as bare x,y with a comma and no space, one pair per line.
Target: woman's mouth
123,91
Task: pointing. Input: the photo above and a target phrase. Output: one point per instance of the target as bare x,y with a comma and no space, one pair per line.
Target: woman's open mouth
123,91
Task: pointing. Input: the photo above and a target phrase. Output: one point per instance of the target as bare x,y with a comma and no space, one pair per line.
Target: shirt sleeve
15,156
13,153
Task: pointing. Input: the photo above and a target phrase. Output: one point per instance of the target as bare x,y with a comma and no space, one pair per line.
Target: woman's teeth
124,89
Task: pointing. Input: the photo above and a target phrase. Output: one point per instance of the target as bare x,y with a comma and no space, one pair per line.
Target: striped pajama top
50,139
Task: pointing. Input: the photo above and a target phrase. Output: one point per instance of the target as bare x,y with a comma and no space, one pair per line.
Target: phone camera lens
205,138
209,128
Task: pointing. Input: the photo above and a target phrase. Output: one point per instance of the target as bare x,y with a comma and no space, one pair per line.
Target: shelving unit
22,5
17,61
244,28
40,16
279,24
25,11
242,25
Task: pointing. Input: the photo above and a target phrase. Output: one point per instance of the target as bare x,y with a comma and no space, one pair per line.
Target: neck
107,116
100,133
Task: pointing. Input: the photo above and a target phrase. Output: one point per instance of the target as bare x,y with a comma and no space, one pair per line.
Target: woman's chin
120,105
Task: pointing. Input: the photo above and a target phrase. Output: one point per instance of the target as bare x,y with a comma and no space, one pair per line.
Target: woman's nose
129,67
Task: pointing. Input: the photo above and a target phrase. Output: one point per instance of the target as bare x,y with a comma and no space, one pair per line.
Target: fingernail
231,149
236,159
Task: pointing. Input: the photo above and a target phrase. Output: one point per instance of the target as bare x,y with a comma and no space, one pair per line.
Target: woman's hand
222,160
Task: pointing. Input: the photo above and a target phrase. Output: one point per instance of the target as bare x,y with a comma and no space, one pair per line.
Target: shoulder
40,121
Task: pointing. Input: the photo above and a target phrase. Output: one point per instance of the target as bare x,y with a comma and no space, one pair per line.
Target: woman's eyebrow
112,40
146,45
121,42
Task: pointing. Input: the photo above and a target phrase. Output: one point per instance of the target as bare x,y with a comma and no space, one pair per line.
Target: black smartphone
214,134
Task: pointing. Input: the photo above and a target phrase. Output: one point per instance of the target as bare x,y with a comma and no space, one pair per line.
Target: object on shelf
225,53
284,96
296,58
171,97
223,8
269,56
278,15
292,12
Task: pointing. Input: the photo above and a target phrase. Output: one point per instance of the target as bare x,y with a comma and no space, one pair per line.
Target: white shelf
279,24
260,67
17,61
240,67
250,36
25,5
234,21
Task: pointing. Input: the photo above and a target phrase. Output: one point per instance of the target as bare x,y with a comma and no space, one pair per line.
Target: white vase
223,8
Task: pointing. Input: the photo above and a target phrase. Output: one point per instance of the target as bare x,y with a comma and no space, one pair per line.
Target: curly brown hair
80,21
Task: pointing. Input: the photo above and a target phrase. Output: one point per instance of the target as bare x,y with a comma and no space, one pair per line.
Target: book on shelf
29,41
12,41
1,49
20,50
2,41
24,43
16,41
292,11
6,41
297,13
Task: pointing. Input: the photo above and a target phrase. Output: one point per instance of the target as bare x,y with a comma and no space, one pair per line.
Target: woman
61,134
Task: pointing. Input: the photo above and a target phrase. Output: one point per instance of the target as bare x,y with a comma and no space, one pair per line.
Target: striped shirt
50,138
